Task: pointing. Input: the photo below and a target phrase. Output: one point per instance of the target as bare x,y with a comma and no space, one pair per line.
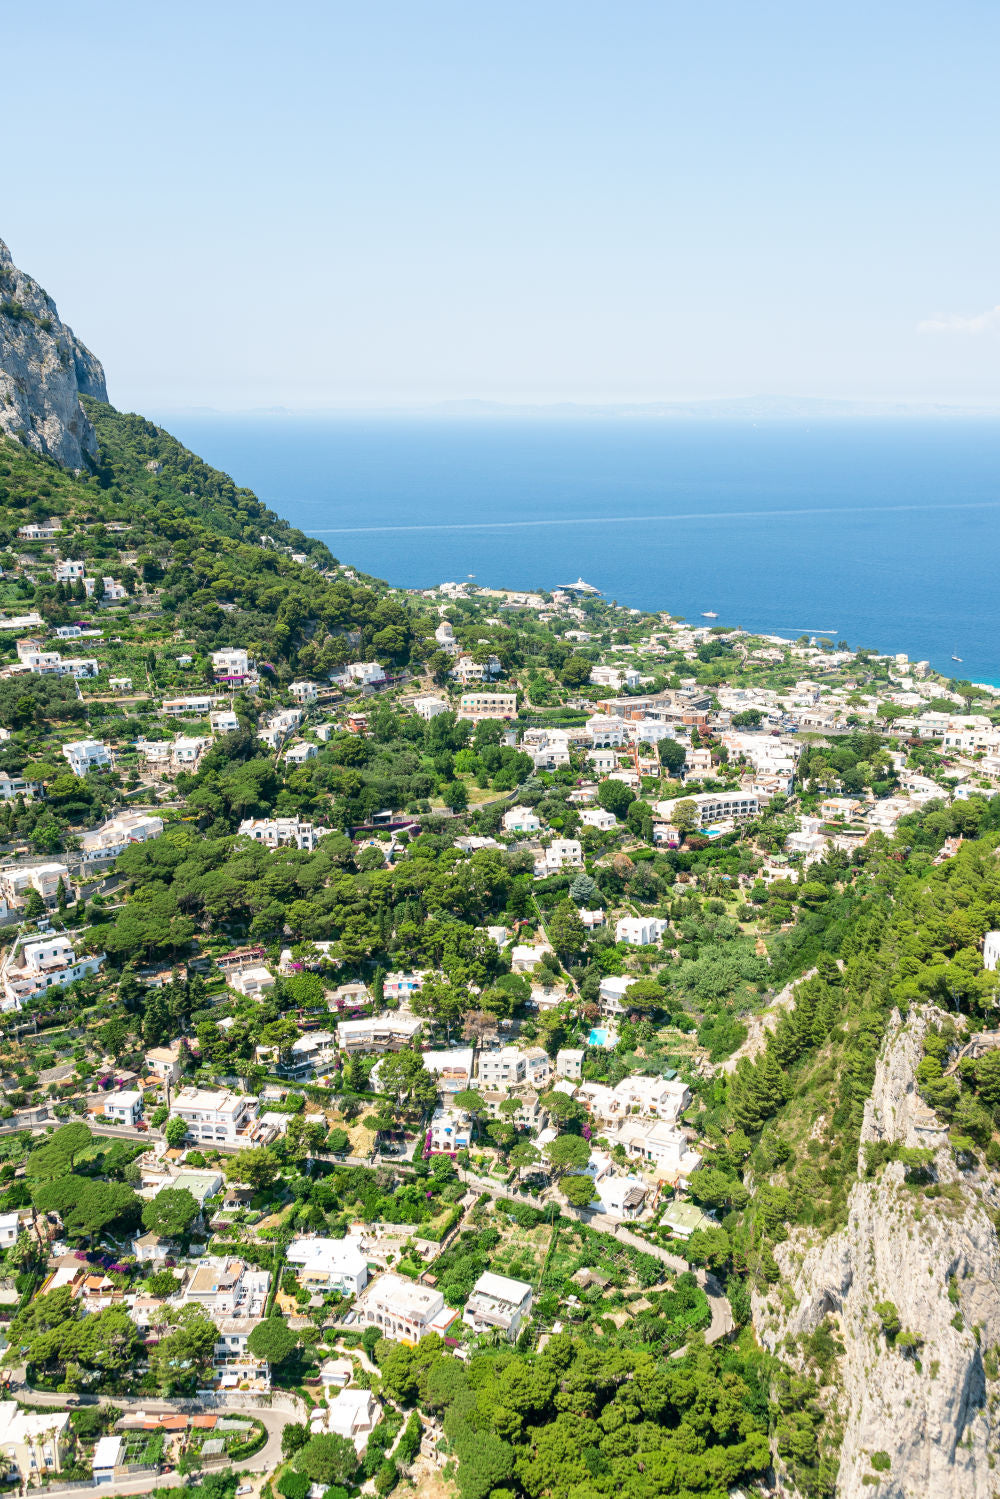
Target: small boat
956,658
709,614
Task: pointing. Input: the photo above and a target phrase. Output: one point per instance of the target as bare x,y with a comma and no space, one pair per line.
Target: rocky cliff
44,369
916,1410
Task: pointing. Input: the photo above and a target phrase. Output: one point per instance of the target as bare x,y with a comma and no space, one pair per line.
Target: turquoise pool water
598,1036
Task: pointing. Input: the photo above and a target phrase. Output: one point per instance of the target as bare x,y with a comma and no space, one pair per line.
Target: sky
323,205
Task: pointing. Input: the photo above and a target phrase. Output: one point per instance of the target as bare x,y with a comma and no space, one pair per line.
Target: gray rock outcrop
44,369
931,1408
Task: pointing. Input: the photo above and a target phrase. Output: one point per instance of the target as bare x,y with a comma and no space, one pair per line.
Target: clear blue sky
311,204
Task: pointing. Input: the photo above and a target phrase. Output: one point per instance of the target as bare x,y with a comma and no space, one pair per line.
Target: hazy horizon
763,407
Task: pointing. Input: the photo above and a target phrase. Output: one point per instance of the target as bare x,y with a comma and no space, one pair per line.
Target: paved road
265,1460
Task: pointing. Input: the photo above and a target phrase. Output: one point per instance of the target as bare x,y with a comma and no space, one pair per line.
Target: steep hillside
866,1138
217,561
44,370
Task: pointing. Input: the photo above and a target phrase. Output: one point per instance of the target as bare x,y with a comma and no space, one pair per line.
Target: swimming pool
600,1035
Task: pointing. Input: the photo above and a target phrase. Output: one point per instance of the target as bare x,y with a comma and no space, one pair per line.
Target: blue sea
882,533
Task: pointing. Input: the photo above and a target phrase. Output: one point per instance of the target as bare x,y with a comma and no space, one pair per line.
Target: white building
991,951
233,1363
216,1115
164,1063
351,1414
716,806
125,1107
614,677
31,653
450,1130
612,992
197,705
223,721
569,1061
303,692
659,1145
335,1373
505,1068
17,879
231,662
548,748
537,1066
35,1442
368,673
638,931
40,530
115,836
452,1066
597,817
330,1264
659,1097
187,750
621,1197
521,820
562,853
69,570
525,959
252,981
275,831
86,754
498,1302
378,1033
605,732
13,786
488,705
403,1310
42,963
429,707
300,753
468,670
227,1288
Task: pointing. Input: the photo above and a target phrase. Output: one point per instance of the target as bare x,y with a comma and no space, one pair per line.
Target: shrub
386,1478
293,1485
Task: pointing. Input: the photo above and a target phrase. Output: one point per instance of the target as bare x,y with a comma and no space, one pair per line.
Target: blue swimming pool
599,1036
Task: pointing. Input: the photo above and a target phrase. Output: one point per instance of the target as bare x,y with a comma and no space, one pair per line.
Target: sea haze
881,533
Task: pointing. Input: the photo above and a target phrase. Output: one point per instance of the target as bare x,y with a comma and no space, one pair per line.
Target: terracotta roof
204,1423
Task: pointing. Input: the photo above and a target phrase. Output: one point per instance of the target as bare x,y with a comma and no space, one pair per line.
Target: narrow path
722,1323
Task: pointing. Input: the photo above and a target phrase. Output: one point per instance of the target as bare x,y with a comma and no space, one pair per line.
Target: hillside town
379,999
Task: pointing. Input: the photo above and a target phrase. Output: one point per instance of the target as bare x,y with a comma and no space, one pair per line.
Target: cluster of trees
590,1421
850,765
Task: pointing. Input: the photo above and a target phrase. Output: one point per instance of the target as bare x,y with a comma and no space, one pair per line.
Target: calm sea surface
884,534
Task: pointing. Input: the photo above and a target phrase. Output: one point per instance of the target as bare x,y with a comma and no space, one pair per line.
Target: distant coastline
890,528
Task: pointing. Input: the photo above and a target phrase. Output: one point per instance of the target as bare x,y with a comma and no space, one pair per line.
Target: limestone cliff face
44,369
936,1258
